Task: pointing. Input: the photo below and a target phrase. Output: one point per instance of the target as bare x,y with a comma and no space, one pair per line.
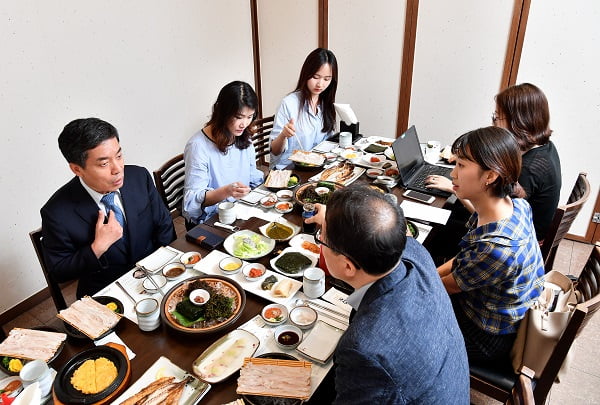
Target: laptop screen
408,154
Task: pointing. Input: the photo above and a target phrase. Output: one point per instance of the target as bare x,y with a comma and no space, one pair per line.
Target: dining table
182,349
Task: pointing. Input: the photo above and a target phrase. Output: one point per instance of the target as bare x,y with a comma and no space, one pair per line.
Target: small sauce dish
285,206
274,314
373,173
285,195
268,201
288,337
230,265
199,296
386,180
189,259
253,271
173,271
303,317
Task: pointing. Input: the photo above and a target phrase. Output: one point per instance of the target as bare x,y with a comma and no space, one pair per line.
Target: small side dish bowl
351,154
321,190
288,337
284,207
373,173
254,271
303,317
268,201
230,265
173,271
199,296
149,286
386,180
285,195
274,314
189,259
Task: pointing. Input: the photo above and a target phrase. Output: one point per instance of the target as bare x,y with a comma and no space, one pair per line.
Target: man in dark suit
403,344
108,217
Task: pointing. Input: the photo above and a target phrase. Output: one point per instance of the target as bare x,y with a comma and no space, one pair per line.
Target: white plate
297,241
389,153
4,382
210,265
225,356
366,161
229,244
295,229
321,343
313,259
158,259
163,367
358,171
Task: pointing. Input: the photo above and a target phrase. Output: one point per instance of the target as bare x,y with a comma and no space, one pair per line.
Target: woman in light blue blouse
306,117
220,161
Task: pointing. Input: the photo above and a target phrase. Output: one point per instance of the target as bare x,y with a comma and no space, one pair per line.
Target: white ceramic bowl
303,317
189,259
288,337
248,268
199,296
173,271
373,173
285,195
268,201
149,286
230,265
274,314
283,207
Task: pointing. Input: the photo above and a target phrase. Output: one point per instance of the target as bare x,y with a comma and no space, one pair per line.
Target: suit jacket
403,345
68,228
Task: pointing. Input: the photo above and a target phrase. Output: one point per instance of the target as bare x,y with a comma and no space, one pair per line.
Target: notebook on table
412,166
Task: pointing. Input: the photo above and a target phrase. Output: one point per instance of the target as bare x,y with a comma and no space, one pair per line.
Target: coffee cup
345,139
148,314
227,212
37,371
313,282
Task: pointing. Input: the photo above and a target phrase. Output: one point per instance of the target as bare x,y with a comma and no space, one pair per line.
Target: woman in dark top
523,110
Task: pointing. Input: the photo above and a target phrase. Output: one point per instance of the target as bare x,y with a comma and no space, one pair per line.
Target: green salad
248,246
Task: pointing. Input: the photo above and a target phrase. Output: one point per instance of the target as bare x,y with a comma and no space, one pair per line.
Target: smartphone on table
418,196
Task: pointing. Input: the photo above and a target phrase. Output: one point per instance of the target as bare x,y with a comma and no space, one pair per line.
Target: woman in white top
306,117
220,161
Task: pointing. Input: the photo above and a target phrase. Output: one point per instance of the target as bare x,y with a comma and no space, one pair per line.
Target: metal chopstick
149,277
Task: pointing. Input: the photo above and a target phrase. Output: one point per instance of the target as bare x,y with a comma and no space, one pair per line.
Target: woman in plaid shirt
499,270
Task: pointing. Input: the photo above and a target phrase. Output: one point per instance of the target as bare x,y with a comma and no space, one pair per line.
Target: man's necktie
109,202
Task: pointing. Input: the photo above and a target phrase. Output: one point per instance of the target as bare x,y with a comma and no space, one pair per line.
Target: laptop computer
412,166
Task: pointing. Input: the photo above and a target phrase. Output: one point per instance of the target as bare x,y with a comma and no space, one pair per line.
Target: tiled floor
580,386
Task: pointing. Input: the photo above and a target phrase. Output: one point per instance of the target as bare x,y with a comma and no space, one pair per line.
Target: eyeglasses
495,117
320,242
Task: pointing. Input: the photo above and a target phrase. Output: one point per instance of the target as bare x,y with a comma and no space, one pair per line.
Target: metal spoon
228,227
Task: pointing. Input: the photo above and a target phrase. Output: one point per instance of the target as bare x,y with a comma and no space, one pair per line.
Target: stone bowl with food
111,303
307,192
307,160
414,231
254,271
189,259
173,271
225,306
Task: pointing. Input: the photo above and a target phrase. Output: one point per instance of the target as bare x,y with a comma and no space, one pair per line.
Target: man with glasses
403,344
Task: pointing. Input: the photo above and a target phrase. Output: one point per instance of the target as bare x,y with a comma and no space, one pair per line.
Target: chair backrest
563,218
53,286
169,180
588,284
261,141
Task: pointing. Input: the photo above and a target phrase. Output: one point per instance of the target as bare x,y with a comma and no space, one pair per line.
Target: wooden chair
261,141
563,218
169,180
53,285
501,383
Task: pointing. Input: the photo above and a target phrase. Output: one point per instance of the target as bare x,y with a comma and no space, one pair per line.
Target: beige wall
151,68
561,55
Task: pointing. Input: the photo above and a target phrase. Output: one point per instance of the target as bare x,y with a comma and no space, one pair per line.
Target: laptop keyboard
418,182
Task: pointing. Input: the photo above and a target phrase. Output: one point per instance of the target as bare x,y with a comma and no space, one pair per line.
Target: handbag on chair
544,324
